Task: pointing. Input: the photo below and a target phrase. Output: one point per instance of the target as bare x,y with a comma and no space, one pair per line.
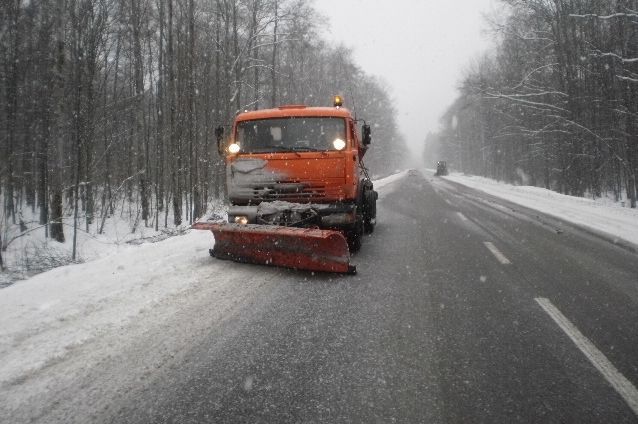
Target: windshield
290,134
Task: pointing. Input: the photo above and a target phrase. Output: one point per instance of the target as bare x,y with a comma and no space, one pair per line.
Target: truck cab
300,166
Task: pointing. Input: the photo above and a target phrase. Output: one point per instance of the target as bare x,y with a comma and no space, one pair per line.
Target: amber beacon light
338,101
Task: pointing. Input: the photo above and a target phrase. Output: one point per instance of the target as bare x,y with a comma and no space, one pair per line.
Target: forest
555,103
108,107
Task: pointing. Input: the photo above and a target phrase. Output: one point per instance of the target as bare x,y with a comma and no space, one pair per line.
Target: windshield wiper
292,149
305,149
267,149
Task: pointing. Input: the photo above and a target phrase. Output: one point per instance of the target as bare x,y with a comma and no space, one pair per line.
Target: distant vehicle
441,168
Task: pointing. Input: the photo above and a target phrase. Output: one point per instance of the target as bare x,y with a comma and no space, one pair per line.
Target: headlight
234,148
339,144
243,220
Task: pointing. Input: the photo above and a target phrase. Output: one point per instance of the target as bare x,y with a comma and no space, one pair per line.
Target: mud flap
299,248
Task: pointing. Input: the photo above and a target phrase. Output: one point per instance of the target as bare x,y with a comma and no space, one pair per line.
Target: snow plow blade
299,248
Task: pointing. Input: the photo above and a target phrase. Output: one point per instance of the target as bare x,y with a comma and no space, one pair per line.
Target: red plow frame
299,248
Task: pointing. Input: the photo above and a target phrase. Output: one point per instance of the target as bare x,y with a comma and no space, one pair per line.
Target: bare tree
554,105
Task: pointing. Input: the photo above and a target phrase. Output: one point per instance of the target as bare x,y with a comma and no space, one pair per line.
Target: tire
368,225
355,237
369,211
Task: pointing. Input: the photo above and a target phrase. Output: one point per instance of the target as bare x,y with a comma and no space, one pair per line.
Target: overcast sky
419,47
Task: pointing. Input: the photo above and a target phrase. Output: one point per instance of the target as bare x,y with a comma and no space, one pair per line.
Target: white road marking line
463,218
618,381
501,257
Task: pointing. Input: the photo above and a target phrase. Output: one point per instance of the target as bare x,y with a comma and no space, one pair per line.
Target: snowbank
600,215
44,317
383,182
31,252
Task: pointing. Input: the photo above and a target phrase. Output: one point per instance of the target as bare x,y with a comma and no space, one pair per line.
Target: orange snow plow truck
300,195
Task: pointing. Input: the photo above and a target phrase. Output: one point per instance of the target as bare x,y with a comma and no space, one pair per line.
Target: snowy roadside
44,317
381,183
60,319
600,215
30,251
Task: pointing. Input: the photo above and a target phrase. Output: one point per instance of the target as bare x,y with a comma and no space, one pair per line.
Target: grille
289,191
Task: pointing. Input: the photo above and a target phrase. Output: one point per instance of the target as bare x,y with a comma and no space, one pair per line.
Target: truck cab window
290,134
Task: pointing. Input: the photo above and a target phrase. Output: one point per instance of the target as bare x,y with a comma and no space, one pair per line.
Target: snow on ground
601,215
122,276
44,317
31,252
381,183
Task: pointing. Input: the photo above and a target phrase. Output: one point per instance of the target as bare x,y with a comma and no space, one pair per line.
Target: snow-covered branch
616,56
525,102
606,17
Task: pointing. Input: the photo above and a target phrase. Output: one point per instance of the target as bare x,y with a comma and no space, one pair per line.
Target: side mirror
219,135
367,138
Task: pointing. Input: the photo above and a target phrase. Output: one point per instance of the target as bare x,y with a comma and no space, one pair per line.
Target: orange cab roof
294,110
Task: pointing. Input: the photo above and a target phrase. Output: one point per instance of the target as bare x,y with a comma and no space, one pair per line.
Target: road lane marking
618,381
463,218
497,253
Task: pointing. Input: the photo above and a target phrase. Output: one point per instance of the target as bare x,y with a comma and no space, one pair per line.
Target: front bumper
334,215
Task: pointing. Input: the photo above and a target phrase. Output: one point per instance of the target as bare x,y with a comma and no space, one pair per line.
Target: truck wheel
354,237
368,225
370,211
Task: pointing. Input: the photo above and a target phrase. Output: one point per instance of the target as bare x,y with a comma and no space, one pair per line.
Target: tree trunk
192,174
631,188
273,65
1,261
11,88
237,62
159,135
57,227
176,160
219,117
77,70
139,128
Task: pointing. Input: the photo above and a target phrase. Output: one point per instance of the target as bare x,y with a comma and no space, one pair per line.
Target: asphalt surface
435,327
